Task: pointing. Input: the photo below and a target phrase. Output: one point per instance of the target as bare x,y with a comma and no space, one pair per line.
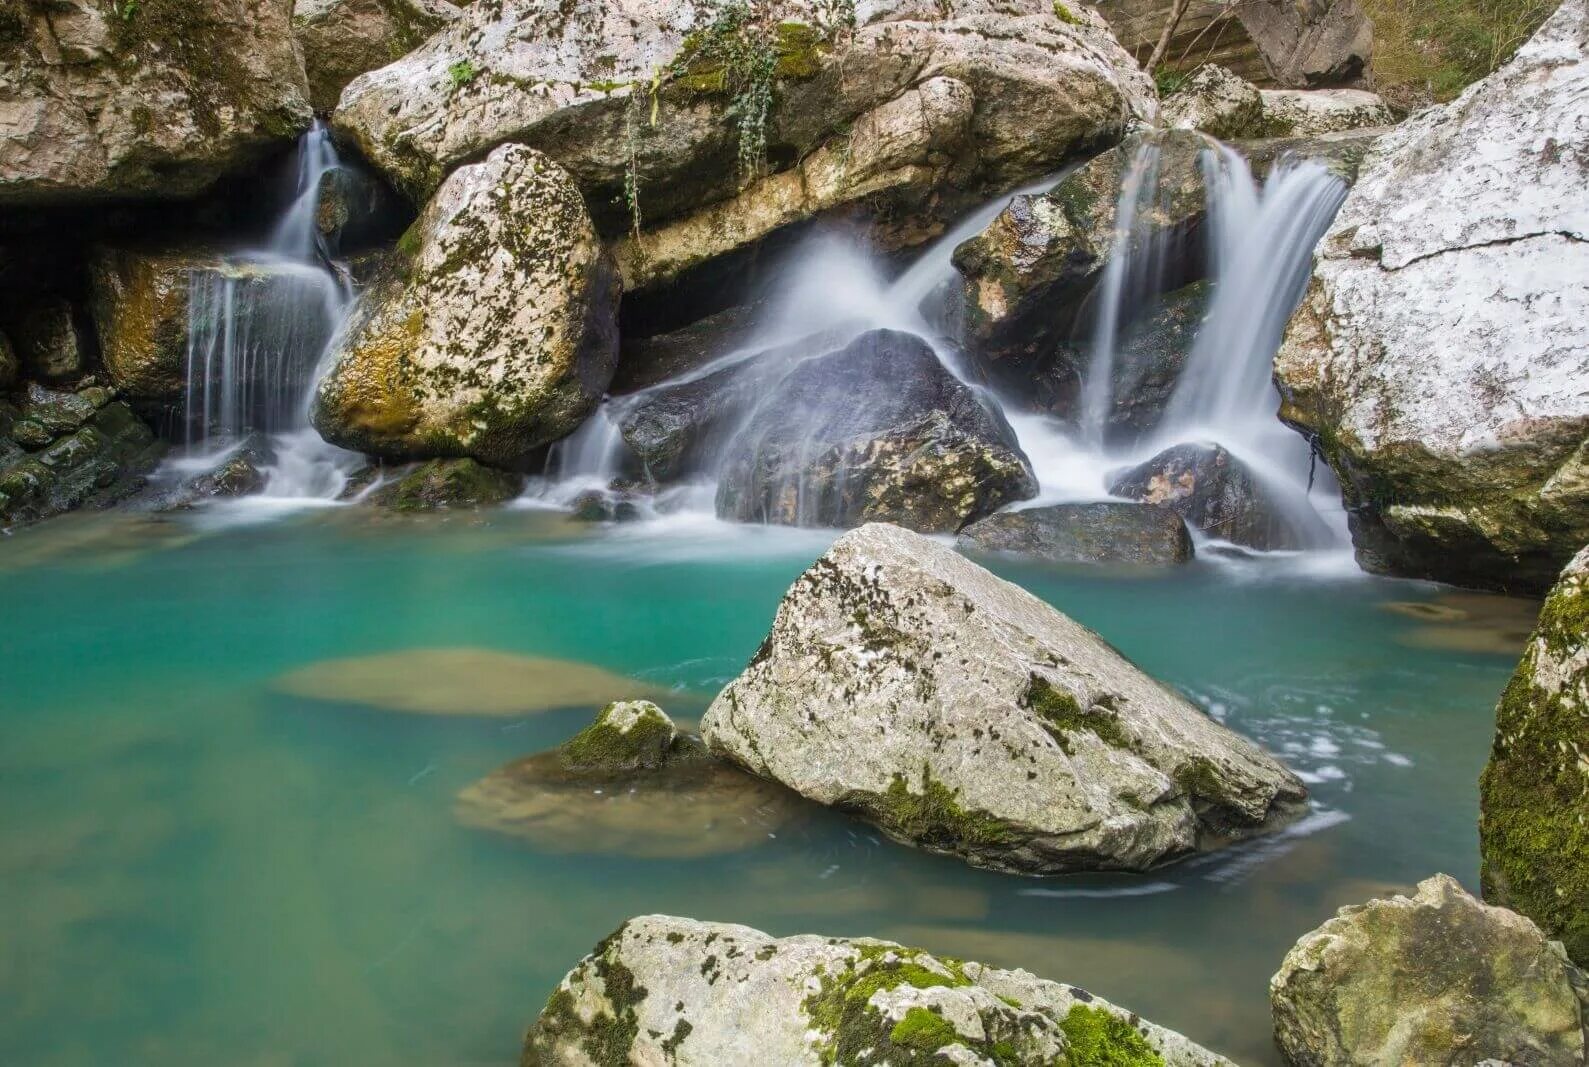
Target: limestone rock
1533,793
156,102
877,431
1460,258
449,483
1216,102
1135,534
342,39
664,989
1312,112
1436,978
495,336
48,345
1014,90
906,684
1214,492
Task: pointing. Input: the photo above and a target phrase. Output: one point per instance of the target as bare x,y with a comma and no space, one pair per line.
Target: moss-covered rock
449,483
905,684
146,99
1534,795
493,335
1435,978
626,736
1216,102
664,990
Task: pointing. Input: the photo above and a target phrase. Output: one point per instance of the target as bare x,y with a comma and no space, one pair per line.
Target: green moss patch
605,746
1062,715
932,817
1099,1038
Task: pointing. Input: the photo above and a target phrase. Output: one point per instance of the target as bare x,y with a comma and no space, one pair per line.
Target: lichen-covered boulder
1216,493
1438,357
1312,112
151,100
652,113
1435,978
878,431
1535,788
1105,532
442,484
48,344
672,990
905,684
1216,102
342,39
494,335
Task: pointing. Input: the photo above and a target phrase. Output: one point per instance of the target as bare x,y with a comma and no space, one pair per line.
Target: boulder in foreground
905,684
1532,795
671,990
1436,978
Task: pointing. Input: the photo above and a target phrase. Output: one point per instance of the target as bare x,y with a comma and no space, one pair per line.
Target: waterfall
259,324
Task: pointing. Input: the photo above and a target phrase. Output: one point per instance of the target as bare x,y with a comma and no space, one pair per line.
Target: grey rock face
959,713
342,39
156,105
1136,534
1461,258
665,990
1214,492
878,431
1311,113
1436,978
1216,102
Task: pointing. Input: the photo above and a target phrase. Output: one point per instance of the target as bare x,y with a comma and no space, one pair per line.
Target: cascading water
259,324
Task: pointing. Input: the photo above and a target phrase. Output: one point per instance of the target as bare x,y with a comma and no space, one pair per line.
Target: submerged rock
1216,102
239,474
342,39
1141,534
150,100
905,684
664,989
449,483
1436,978
1532,795
458,681
629,783
495,335
1437,360
1214,492
877,431
1310,113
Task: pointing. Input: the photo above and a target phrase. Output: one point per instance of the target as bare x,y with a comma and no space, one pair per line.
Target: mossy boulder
1534,794
493,334
1216,102
150,100
957,712
441,484
1106,532
664,989
627,735
342,39
1438,357
1435,978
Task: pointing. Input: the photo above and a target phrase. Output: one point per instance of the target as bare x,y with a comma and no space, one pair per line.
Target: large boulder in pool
153,100
907,685
670,990
878,431
495,333
890,105
1105,532
1214,492
342,39
1439,356
1435,978
1532,795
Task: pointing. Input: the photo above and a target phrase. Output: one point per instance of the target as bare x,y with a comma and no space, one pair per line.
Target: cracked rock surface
1440,355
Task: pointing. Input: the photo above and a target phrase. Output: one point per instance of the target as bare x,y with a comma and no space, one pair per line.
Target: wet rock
878,431
1435,978
442,484
357,211
905,684
952,103
342,39
1149,355
1342,153
1482,480
682,429
48,345
629,783
605,505
1305,113
240,474
62,451
1216,102
1139,534
650,361
662,989
495,337
459,681
1027,276
8,363
1214,492
1531,830
155,101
